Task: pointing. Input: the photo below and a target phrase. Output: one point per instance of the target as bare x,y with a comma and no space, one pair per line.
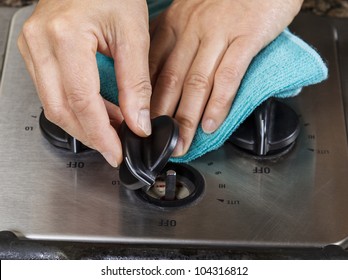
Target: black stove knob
269,131
145,157
58,137
146,170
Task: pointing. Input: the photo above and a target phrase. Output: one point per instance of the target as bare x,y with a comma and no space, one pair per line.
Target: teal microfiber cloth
280,70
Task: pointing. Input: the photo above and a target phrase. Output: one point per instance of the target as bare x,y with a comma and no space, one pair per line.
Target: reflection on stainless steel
300,199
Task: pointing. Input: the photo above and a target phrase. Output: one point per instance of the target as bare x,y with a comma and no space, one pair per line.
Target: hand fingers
63,42
54,102
227,80
43,68
80,78
170,80
133,79
197,88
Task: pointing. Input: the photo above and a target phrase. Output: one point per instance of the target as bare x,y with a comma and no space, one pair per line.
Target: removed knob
145,157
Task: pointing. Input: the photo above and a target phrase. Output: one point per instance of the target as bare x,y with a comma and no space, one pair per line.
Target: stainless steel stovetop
299,200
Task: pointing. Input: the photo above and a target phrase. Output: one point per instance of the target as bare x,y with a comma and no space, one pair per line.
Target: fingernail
144,121
209,126
179,148
110,159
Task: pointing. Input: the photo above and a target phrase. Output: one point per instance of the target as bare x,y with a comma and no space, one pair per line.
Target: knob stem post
170,185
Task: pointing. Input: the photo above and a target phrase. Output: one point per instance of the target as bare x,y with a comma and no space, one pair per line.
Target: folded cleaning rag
281,69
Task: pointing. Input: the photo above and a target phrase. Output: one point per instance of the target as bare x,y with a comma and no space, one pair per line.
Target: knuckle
197,81
78,101
186,122
30,29
143,88
227,75
221,101
59,28
94,140
54,113
169,79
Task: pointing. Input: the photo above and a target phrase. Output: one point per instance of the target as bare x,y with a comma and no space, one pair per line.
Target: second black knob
270,130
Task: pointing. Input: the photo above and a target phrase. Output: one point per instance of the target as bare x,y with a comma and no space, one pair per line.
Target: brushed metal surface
5,19
342,46
300,200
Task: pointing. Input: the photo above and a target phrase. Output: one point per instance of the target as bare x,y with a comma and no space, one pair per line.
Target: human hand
199,53
59,44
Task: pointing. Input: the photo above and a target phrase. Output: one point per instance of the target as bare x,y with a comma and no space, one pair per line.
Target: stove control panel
226,198
173,185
